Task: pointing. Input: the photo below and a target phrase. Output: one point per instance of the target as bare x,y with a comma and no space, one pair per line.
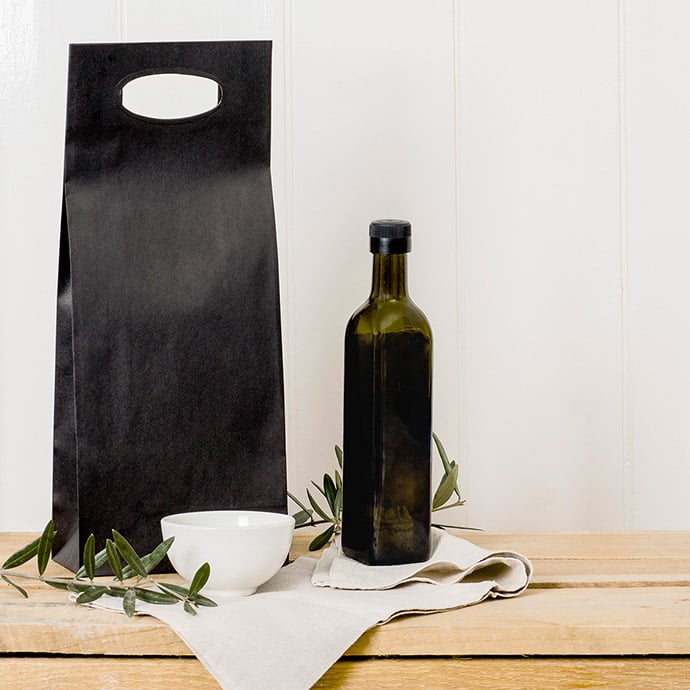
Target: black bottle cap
389,236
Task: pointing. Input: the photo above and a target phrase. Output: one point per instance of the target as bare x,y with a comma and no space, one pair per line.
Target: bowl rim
277,519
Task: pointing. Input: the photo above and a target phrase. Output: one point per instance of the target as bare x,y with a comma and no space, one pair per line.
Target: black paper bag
168,387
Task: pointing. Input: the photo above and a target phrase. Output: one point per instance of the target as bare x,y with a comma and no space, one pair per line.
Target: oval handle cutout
170,96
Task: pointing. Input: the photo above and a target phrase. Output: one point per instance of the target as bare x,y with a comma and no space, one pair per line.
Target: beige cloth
290,632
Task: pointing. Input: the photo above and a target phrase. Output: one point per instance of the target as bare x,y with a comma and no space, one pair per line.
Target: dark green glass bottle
387,414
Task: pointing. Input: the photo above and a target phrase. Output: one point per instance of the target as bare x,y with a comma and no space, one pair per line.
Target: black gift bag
168,387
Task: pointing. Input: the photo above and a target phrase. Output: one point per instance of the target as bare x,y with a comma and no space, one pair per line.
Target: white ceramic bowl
244,548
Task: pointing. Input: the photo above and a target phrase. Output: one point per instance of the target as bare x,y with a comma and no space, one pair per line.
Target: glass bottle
387,413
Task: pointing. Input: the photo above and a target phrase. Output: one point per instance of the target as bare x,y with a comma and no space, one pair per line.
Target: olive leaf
129,554
91,594
180,593
445,488
447,467
89,559
322,539
199,580
317,507
332,492
59,582
129,602
117,591
151,596
151,560
302,516
45,546
24,554
201,600
116,550
99,559
114,559
21,590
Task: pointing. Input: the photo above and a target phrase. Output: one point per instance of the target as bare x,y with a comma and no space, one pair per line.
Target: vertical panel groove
463,445
122,20
626,400
288,210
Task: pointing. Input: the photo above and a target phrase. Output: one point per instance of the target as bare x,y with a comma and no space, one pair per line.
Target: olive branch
331,491
131,581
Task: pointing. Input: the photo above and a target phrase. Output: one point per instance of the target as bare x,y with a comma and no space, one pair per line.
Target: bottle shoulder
381,316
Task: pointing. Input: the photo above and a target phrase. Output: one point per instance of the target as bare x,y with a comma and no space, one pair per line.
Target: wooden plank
577,610
542,621
535,545
516,674
588,545
568,621
35,673
73,673
48,623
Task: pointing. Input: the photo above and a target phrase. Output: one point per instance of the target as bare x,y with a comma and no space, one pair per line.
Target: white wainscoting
542,152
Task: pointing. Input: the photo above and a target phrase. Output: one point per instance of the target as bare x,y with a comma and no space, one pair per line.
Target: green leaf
302,516
199,580
152,597
21,590
129,554
320,489
317,507
129,602
114,559
200,600
74,586
24,554
469,529
298,502
180,592
445,488
151,560
442,453
100,559
90,557
338,480
339,456
58,582
330,491
45,546
447,464
322,539
338,503
91,594
189,608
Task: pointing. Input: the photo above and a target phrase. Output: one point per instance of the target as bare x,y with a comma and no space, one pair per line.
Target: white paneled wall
542,152
657,219
540,255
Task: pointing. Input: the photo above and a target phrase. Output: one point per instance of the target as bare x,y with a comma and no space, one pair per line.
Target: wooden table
605,610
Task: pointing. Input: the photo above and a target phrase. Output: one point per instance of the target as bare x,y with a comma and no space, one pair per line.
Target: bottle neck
389,279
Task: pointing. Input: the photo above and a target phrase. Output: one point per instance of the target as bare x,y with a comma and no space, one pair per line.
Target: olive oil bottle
387,413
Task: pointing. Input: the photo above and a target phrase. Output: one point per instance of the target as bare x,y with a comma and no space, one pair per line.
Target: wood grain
508,674
621,595
382,674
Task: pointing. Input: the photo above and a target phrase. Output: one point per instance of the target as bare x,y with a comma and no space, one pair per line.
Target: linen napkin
453,560
290,632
